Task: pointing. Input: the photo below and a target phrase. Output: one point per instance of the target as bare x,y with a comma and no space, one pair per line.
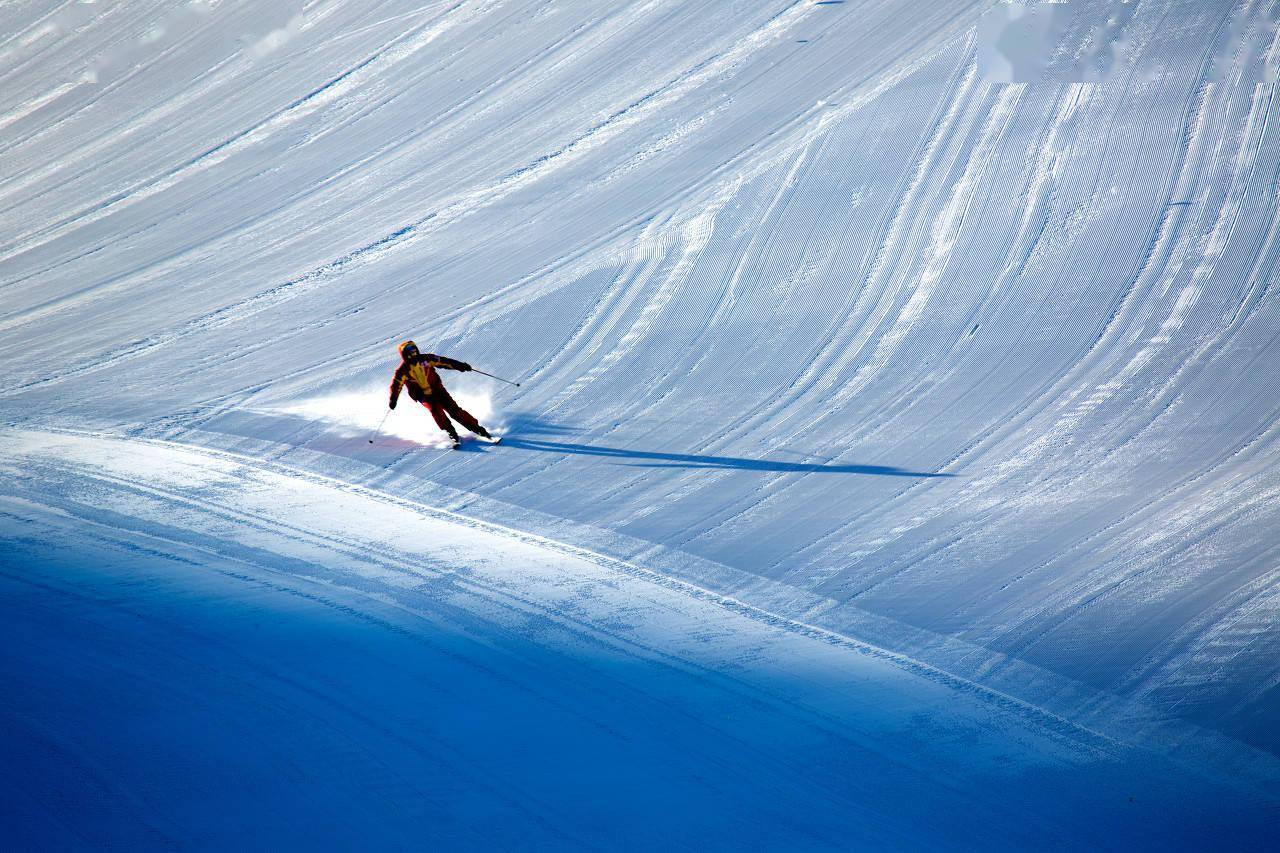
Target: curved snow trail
492,687
765,270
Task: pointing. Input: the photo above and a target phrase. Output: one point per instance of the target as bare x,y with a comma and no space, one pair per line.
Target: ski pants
442,406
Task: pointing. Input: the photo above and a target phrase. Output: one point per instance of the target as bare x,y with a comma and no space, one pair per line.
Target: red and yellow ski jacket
419,374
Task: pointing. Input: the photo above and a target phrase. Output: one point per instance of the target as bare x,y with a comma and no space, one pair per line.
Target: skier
418,372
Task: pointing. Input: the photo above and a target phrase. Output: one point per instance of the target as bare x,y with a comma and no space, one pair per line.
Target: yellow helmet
407,345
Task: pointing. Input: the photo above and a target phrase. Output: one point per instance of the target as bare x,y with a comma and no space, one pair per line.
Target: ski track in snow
745,261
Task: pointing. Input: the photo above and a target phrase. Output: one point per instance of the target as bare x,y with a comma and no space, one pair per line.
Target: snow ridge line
499,596
496,595
1053,724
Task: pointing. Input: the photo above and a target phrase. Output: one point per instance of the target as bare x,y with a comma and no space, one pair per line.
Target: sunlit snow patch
358,412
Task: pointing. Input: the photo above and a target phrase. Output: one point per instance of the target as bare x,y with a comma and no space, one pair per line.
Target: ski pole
499,378
379,429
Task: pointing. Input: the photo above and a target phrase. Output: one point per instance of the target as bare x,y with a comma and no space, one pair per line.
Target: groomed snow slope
846,309
211,673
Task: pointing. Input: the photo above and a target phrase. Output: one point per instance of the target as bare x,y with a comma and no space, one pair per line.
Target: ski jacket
419,374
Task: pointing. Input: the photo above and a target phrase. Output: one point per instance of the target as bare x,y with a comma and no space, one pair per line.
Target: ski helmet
406,346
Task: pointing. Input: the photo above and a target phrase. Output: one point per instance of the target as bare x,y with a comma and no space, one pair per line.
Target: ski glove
392,402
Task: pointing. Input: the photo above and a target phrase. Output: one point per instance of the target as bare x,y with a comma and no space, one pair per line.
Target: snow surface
922,355
324,664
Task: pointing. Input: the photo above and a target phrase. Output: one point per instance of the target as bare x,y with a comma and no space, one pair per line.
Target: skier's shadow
659,459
